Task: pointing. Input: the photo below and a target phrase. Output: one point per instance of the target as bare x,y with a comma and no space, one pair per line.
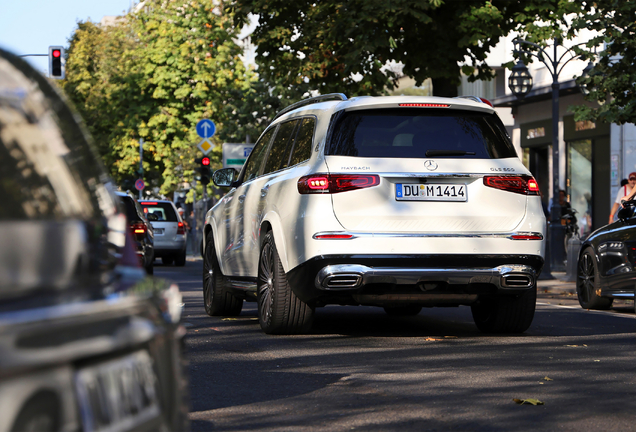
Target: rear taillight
525,185
334,183
138,228
180,228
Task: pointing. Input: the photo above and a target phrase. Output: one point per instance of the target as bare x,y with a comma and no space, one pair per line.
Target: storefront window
580,183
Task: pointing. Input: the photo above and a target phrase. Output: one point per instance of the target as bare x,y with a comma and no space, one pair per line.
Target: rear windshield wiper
433,153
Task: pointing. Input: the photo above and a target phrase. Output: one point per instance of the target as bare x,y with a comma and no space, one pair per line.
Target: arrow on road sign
206,128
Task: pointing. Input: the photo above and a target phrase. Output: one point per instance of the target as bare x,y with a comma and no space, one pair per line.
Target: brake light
429,105
147,203
334,183
180,229
525,185
138,228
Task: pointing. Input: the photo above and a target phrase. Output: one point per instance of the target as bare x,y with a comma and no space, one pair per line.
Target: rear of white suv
398,202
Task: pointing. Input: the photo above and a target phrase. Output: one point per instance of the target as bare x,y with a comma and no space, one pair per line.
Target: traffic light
204,169
56,62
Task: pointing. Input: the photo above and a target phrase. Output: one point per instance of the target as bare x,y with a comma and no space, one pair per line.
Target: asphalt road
360,369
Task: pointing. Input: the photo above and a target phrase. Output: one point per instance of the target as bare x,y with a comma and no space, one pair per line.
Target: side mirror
224,177
152,217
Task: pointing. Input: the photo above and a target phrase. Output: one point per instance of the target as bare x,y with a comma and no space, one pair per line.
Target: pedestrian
624,193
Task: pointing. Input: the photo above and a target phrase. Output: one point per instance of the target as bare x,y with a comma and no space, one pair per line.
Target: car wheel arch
271,222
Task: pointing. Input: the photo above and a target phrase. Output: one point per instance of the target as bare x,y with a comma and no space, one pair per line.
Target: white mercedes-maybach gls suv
399,202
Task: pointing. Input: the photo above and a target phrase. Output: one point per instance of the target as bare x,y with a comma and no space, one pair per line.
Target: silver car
170,231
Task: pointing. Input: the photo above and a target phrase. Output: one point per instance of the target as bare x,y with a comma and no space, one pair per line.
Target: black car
141,229
607,262
88,342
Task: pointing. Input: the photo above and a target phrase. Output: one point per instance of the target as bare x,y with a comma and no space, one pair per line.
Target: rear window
164,211
419,133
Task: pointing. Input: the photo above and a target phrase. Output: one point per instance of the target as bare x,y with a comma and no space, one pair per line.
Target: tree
154,75
612,81
349,45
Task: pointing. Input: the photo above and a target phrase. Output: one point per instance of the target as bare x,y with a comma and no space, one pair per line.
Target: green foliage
612,82
152,76
349,46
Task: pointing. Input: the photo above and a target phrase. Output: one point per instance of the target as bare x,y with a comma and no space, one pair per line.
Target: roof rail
312,100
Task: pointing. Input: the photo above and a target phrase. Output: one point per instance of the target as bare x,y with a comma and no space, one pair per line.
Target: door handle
241,198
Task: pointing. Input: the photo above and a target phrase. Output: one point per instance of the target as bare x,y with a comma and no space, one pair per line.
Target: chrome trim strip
65,311
427,235
410,276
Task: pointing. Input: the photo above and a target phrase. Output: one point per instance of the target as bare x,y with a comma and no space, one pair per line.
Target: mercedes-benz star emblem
430,165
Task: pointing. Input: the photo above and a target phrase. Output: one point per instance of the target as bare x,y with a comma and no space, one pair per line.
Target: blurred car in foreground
607,262
169,231
141,230
87,341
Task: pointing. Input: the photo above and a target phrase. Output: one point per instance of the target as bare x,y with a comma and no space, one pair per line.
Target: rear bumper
424,279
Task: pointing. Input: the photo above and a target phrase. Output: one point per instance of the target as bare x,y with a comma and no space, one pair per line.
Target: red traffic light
205,161
56,53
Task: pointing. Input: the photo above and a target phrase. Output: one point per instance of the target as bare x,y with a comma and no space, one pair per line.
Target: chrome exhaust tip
517,280
342,281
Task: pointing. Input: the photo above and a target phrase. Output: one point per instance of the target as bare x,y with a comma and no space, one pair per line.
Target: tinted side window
255,161
131,210
279,151
304,141
419,133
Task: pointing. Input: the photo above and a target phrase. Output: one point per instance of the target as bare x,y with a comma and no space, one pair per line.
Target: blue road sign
206,128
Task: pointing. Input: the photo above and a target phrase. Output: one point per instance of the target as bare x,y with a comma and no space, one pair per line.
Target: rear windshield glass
164,211
419,133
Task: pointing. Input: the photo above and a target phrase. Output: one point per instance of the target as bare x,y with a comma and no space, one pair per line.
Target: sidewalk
558,285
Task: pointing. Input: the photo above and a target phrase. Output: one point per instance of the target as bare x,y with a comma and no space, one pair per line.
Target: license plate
117,395
159,231
430,192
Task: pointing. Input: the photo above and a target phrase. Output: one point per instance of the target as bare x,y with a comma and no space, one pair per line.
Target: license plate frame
118,394
431,192
159,231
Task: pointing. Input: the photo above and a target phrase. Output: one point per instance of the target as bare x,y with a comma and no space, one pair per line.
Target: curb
558,285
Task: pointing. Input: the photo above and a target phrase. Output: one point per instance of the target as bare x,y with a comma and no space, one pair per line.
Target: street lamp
520,83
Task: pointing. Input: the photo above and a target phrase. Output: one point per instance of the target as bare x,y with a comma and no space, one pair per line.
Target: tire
150,266
217,298
167,260
410,310
279,310
505,314
588,284
180,259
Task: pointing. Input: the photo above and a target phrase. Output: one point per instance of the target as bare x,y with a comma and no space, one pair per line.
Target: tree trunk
444,87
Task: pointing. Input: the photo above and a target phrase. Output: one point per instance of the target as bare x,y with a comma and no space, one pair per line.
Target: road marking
580,309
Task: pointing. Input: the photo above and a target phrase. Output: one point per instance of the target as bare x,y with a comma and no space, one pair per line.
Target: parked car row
157,229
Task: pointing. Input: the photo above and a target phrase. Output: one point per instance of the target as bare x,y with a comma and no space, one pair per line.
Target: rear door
166,227
257,192
432,165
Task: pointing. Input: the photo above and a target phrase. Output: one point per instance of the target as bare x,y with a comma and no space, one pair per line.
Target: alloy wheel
586,278
266,283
